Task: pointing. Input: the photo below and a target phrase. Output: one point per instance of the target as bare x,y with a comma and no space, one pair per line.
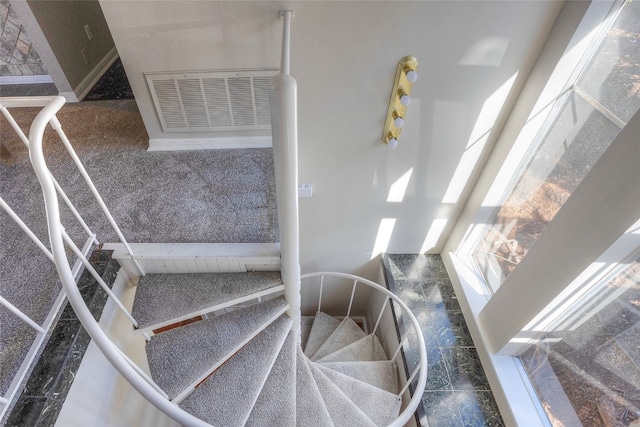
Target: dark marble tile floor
112,85
50,381
457,392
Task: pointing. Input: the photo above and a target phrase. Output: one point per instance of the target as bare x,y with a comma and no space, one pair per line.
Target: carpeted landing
213,196
246,368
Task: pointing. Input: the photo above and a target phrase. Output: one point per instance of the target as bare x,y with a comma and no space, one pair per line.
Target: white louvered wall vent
212,100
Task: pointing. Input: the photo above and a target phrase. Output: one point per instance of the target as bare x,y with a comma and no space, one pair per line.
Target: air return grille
212,101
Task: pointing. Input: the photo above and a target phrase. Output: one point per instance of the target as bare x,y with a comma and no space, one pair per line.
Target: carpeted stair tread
276,404
346,333
305,329
323,327
310,408
182,356
381,374
161,297
380,406
227,396
367,348
343,412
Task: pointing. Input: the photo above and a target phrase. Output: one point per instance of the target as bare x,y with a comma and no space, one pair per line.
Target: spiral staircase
233,349
247,367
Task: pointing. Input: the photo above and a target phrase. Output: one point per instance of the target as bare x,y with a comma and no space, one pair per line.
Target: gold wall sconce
406,75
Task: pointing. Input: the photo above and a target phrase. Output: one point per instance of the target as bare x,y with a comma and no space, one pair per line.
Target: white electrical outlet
305,190
87,29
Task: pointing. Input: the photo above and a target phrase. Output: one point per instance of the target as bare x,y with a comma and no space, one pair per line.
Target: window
586,118
588,370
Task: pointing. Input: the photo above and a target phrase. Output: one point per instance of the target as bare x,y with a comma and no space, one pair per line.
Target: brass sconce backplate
400,86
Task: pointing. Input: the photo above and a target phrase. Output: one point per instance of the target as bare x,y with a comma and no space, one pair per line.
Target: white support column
284,128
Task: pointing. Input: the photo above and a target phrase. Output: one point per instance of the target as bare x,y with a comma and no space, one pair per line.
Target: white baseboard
98,71
177,144
25,80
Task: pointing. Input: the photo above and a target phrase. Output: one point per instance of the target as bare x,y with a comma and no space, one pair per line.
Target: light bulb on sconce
397,120
391,141
404,99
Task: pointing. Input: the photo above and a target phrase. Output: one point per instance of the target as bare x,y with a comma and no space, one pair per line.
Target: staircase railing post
284,128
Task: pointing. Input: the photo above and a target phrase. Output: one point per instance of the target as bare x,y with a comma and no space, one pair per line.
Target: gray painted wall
62,23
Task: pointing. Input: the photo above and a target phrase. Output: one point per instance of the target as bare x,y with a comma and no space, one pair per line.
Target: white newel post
284,129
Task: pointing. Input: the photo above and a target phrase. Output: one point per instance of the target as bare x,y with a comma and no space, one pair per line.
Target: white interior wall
474,56
167,36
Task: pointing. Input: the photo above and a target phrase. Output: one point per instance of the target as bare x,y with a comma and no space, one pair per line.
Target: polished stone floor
49,382
112,85
457,392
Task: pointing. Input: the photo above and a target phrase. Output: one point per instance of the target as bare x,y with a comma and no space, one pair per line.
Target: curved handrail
108,348
411,407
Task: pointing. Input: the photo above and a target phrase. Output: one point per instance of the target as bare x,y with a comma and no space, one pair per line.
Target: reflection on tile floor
457,392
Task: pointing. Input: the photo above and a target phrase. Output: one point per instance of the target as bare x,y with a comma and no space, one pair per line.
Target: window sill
518,403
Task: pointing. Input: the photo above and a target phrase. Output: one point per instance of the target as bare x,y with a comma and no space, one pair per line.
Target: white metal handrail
25,228
40,101
26,319
420,370
123,365
55,124
3,301
43,327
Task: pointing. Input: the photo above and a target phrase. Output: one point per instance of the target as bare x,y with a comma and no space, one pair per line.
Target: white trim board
98,71
25,80
198,257
69,96
214,143
196,250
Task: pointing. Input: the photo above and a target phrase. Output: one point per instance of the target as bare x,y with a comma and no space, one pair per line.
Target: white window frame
514,394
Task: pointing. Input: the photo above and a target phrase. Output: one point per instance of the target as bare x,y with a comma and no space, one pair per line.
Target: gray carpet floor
189,196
